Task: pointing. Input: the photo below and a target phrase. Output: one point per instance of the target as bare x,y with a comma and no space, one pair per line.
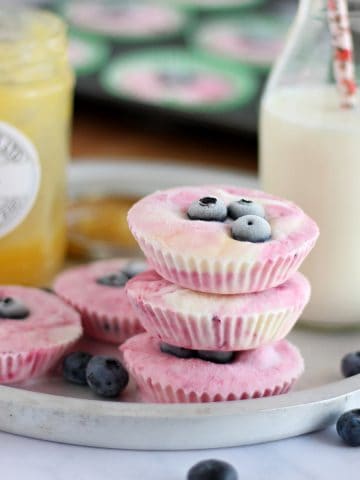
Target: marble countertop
311,457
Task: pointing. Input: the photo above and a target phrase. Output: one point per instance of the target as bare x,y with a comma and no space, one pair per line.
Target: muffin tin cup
207,332
211,276
17,367
153,392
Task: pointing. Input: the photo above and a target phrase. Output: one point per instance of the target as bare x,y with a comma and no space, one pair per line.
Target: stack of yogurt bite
222,294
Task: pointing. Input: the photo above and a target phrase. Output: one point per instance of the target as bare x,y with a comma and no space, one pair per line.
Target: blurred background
164,83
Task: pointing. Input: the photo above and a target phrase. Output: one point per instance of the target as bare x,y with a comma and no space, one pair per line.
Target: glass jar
36,86
310,154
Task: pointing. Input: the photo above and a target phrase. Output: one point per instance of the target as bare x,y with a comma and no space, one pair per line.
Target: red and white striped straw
343,63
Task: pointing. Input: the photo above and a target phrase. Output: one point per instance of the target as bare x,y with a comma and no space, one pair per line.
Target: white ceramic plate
50,409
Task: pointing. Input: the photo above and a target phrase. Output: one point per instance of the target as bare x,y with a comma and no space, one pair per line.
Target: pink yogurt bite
203,256
30,346
105,310
202,321
266,371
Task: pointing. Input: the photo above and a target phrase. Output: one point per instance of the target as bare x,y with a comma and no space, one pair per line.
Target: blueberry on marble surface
178,352
210,209
13,309
116,280
216,357
212,470
251,228
74,367
348,428
106,376
350,364
242,207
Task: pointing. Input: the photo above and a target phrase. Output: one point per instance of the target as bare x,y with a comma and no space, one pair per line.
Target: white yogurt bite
204,256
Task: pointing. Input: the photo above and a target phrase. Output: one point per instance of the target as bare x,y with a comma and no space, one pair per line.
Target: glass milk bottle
310,153
36,86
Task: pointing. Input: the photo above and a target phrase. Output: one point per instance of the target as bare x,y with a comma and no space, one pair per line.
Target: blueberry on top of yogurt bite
210,209
134,268
216,357
120,278
251,228
13,309
116,280
242,207
207,355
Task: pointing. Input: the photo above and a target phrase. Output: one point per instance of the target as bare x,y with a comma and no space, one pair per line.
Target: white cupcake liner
207,332
16,367
213,276
152,391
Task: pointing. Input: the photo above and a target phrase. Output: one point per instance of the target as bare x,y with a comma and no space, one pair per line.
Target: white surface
319,456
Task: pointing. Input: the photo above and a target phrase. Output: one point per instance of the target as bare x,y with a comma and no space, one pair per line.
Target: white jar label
20,176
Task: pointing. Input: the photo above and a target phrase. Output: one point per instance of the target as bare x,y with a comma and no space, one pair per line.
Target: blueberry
350,364
209,209
348,428
251,228
177,351
174,79
212,470
74,367
106,376
117,280
245,207
134,268
216,357
13,309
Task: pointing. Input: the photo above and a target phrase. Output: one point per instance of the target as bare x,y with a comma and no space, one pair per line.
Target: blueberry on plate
216,357
177,351
210,209
134,268
350,364
242,207
116,280
348,428
212,470
106,376
251,228
13,309
74,367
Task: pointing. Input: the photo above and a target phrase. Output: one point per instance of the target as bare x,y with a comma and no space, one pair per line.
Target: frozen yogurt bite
222,239
195,320
97,292
166,378
36,329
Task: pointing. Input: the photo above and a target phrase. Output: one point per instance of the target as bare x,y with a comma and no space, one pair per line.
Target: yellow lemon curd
36,86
